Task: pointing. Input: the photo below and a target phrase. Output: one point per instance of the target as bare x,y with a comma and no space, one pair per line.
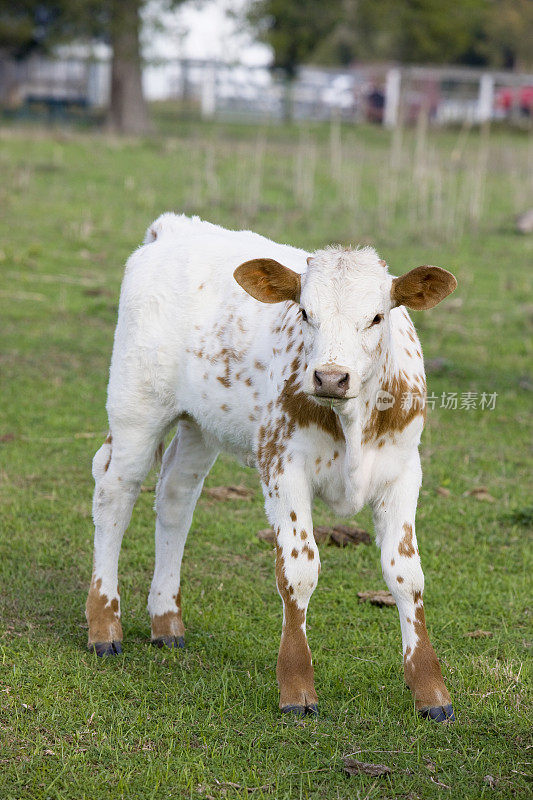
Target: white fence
379,93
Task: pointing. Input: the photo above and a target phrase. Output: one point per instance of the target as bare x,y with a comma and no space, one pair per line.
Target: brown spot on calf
167,624
170,623
102,615
294,670
109,441
405,548
397,416
309,551
422,670
305,412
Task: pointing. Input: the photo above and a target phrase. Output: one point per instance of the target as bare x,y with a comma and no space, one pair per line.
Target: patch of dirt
338,535
354,767
98,292
479,634
223,493
379,598
480,493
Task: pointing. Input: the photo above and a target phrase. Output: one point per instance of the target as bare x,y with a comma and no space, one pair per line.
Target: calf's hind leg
119,467
186,463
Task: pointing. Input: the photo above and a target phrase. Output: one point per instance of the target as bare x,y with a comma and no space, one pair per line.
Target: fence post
392,97
485,98
92,83
208,103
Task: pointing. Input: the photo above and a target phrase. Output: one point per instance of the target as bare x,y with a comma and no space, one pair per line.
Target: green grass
204,723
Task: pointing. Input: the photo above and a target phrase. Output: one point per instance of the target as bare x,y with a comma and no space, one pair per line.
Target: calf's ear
268,280
422,287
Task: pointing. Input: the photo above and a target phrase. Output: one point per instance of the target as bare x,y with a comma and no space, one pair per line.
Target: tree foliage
506,38
294,28
33,25
481,32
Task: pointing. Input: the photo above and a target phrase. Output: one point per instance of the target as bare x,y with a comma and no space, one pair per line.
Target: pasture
203,722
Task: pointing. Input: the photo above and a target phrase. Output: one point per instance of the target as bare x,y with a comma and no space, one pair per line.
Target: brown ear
422,287
268,280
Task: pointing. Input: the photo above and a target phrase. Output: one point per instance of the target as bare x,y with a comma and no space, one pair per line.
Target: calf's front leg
394,519
297,569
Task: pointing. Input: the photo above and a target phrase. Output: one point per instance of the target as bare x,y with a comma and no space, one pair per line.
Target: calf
307,366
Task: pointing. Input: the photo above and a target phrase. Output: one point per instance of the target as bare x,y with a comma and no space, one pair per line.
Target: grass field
204,723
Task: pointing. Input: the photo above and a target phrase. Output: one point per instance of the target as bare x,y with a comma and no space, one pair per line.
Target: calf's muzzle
331,382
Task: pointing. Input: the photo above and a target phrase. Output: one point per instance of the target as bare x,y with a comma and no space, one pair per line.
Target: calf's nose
331,383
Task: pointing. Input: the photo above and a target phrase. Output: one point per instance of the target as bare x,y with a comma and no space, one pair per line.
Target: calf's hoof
106,648
438,713
172,642
301,711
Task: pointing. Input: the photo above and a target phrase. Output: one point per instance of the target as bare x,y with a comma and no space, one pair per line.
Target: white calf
320,384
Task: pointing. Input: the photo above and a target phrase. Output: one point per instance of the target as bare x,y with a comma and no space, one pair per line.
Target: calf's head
345,298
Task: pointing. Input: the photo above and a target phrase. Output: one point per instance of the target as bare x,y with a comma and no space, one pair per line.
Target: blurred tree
506,38
28,26
128,112
38,25
416,31
436,31
481,32
293,28
496,33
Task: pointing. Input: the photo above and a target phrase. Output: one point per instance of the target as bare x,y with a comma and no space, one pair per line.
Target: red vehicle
515,97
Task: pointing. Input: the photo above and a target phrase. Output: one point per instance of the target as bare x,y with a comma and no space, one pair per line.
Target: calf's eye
377,319
304,314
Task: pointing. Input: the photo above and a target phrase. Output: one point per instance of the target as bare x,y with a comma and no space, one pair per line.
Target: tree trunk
128,112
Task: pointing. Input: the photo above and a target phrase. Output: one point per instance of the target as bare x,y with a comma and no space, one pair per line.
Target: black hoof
172,642
438,713
296,711
301,711
106,648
